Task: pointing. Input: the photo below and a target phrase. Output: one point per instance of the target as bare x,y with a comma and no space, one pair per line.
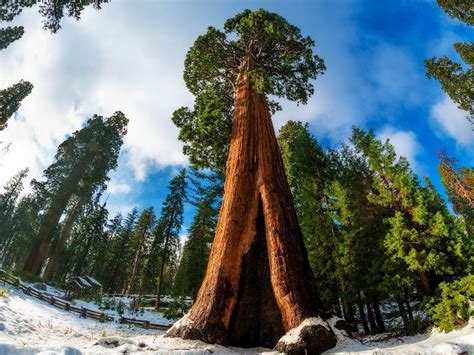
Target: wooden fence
67,306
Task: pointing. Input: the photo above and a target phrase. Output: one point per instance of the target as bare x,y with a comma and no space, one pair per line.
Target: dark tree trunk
160,276
403,314
378,314
64,236
425,284
370,315
407,301
257,204
349,307
360,306
51,219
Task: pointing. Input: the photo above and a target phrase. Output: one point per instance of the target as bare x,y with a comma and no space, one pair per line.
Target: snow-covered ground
31,326
455,343
147,314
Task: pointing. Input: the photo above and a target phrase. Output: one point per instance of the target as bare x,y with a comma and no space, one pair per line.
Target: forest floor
31,326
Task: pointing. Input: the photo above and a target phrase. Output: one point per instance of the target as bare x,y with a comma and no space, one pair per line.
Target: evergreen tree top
459,9
273,52
9,35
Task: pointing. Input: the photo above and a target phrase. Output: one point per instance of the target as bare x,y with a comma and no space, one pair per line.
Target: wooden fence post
146,324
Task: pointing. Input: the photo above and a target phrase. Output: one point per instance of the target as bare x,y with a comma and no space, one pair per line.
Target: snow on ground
30,326
147,314
457,342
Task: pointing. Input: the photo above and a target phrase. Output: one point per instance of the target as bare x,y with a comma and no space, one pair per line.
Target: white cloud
335,105
120,188
452,122
405,143
97,65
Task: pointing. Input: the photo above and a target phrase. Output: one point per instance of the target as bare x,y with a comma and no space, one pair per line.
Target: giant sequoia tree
259,283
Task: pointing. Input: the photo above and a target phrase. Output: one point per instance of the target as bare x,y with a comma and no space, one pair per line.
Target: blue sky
129,56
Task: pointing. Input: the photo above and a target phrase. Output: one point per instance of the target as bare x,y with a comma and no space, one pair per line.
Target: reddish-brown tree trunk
64,236
258,283
39,250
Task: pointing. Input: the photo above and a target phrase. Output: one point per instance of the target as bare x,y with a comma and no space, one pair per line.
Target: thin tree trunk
407,301
162,269
370,315
65,233
360,306
257,216
403,314
342,309
350,315
131,280
378,314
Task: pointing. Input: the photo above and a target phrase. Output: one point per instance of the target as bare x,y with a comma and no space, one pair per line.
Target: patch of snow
294,335
31,326
50,291
434,343
93,281
184,321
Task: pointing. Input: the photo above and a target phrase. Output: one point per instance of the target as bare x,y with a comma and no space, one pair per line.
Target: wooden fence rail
67,306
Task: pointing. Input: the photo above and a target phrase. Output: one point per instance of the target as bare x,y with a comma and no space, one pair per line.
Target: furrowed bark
248,298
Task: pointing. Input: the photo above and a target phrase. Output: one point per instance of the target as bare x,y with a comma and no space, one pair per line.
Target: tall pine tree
166,241
81,165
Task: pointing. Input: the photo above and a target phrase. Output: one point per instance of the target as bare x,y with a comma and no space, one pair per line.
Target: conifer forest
279,206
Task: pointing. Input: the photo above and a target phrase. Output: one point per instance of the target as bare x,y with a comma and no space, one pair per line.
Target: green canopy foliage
10,100
456,79
51,11
277,58
9,35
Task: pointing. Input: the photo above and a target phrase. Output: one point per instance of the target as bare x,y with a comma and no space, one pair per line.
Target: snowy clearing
31,326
